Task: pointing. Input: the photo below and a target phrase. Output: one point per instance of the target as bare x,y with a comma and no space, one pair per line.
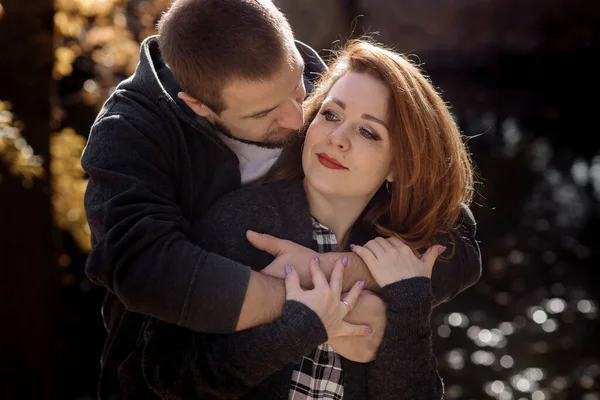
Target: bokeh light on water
529,329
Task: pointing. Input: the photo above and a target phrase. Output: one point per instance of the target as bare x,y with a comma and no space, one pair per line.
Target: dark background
521,78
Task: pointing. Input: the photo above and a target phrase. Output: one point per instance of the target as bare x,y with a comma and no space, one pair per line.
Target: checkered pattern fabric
319,375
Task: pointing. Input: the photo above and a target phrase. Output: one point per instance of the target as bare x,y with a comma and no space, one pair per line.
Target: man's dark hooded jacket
155,167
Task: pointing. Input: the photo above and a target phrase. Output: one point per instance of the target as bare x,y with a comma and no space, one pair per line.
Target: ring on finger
348,305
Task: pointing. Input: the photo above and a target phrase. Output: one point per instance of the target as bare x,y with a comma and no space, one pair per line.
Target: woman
382,171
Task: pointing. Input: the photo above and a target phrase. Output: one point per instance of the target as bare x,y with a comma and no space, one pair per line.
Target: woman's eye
329,116
368,134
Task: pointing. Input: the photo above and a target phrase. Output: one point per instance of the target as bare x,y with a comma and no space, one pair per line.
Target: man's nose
291,116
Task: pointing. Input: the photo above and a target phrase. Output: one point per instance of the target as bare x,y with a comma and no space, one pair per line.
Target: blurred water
529,329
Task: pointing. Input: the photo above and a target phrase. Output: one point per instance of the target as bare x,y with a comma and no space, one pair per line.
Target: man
214,98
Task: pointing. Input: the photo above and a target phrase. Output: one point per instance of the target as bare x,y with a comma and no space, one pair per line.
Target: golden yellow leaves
63,62
105,36
68,185
14,150
88,8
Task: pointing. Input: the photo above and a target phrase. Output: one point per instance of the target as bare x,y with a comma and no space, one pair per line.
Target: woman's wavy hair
433,169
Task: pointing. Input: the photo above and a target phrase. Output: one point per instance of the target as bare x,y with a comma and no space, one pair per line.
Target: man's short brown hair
208,43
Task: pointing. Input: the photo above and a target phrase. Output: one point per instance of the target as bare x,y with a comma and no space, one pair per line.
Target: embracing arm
140,251
450,276
453,276
405,362
184,364
179,363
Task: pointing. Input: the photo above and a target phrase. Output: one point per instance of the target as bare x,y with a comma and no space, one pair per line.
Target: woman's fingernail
441,249
361,284
317,259
352,246
287,269
369,331
345,260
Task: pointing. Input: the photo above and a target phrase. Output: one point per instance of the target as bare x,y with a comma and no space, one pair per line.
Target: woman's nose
339,138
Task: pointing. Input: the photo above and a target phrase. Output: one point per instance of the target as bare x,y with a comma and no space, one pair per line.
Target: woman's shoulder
256,199
261,207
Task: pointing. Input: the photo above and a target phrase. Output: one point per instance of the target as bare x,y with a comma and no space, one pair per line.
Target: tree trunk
28,272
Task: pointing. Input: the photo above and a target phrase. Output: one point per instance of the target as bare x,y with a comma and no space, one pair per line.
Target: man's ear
196,105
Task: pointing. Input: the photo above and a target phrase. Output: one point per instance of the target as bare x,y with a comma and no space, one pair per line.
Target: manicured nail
352,246
361,284
287,269
441,249
369,331
317,259
345,260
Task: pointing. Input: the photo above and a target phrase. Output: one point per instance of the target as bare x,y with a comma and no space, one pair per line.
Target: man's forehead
243,96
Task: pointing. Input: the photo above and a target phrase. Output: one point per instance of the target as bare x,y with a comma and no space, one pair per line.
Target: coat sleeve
405,362
452,276
179,363
139,249
182,364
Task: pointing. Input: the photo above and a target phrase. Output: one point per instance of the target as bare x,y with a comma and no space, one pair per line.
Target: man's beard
267,144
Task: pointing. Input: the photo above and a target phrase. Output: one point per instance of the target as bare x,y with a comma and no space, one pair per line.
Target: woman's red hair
433,170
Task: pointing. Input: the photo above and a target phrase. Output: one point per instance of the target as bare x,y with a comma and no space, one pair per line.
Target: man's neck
335,212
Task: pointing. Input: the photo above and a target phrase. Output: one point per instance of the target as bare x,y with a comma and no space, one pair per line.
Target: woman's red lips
329,162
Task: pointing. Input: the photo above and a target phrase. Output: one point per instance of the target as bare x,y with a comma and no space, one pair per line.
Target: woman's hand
325,298
390,260
370,310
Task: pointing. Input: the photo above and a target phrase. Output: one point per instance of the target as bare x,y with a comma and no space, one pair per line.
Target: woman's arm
405,362
179,363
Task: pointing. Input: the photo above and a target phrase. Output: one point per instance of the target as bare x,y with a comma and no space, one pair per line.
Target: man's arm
140,251
263,302
287,252
450,277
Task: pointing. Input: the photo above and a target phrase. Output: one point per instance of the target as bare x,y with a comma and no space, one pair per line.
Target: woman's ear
196,105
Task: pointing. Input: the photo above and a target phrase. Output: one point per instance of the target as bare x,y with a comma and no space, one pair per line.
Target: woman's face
347,148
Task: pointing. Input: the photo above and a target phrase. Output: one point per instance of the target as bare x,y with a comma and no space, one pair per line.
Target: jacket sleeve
182,364
452,276
405,362
140,249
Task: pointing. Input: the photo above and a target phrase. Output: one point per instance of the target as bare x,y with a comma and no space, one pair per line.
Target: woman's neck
335,212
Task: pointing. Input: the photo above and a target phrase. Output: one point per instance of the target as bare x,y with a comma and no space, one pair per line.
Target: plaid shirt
319,375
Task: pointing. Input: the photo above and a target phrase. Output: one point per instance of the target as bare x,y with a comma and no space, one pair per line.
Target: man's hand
285,253
369,310
290,253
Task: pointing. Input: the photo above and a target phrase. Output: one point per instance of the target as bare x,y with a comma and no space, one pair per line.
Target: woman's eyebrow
374,119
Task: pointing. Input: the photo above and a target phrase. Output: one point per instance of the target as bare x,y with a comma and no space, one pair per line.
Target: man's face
265,113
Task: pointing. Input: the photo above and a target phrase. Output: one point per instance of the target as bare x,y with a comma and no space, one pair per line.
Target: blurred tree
28,273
